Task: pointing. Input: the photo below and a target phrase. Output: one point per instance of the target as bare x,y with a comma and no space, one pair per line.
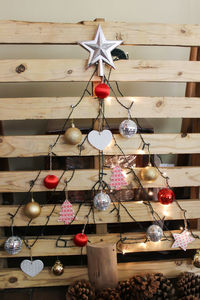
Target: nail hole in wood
69,72
183,135
13,279
20,69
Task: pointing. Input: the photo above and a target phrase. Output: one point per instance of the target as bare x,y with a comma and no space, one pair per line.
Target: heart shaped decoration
32,268
100,140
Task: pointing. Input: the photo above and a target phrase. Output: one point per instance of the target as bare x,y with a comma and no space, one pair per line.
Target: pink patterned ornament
67,213
182,239
117,178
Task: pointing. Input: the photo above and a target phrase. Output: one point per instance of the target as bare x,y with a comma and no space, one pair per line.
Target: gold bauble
73,135
32,209
196,260
58,268
149,173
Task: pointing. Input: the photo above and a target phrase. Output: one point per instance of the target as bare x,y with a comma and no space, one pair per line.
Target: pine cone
166,290
188,285
108,294
125,289
80,290
144,287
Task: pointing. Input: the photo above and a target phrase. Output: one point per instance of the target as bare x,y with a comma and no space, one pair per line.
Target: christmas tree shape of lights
118,178
66,213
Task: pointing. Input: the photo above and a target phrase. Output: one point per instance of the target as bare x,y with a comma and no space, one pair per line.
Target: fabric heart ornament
32,268
100,140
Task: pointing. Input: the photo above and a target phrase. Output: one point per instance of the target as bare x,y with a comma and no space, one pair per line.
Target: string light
166,211
150,193
143,244
125,174
140,151
108,100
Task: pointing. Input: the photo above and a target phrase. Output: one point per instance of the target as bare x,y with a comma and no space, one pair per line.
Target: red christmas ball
51,181
166,196
80,239
102,90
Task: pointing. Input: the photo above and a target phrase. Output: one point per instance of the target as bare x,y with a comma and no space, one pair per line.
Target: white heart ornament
100,140
32,268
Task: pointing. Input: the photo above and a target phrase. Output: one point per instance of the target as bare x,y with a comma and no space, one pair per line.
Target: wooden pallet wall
62,70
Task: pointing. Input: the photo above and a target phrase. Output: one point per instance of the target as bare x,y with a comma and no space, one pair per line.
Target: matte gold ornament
196,260
149,173
32,209
58,268
73,135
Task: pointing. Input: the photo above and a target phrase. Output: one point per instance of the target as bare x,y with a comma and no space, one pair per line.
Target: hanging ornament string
47,218
73,107
32,183
148,147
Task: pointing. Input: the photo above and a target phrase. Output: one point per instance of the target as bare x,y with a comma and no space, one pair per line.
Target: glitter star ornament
182,239
100,50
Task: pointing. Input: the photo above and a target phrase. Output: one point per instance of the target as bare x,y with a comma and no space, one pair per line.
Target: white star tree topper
100,50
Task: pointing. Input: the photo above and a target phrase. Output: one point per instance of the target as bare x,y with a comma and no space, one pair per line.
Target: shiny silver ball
13,245
128,128
102,201
154,233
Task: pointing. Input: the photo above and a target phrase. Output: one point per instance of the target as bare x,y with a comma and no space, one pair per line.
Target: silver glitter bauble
154,233
13,245
127,128
102,201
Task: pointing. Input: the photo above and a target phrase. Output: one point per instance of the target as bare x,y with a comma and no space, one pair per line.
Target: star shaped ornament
100,50
182,239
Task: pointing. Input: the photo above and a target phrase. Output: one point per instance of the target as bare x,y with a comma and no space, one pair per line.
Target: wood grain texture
15,278
62,70
102,265
47,245
38,145
60,107
19,181
19,32
138,210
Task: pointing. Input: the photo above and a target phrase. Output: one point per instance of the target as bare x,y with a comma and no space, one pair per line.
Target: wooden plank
60,107
62,70
15,278
19,181
138,210
19,32
46,246
38,145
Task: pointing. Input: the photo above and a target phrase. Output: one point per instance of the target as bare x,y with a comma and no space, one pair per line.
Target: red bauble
166,196
80,239
102,90
51,181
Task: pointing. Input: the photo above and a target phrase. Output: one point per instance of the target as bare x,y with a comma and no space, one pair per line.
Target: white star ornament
100,50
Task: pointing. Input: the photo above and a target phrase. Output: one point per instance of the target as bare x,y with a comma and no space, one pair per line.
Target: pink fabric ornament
67,213
182,239
118,178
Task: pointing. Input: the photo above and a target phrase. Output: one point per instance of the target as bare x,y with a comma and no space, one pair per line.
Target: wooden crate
70,70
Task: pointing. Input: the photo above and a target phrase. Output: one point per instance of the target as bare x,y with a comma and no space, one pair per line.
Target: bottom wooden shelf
15,278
